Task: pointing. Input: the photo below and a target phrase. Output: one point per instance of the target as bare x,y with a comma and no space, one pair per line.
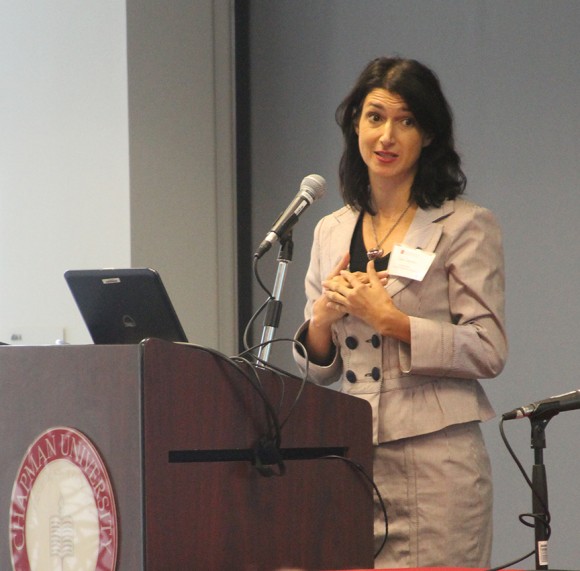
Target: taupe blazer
457,324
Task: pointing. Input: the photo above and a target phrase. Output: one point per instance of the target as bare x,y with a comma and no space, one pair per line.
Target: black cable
254,380
268,446
375,488
514,562
248,327
269,366
259,279
270,297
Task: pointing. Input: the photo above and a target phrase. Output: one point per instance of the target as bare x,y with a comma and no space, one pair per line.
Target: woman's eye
374,117
408,122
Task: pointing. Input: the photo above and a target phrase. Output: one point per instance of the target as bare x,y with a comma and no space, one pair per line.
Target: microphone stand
540,488
274,307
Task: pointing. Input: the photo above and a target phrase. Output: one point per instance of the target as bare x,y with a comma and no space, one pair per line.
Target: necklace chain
377,251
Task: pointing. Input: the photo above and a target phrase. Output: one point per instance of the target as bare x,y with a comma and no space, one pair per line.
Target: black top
358,252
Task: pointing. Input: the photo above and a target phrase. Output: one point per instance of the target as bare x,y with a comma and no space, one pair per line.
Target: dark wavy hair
439,175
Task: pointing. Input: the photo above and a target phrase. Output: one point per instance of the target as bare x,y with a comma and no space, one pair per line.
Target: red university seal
62,512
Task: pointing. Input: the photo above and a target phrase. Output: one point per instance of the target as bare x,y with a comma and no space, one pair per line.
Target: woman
412,346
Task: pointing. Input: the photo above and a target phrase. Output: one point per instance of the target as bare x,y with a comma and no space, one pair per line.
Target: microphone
552,406
312,187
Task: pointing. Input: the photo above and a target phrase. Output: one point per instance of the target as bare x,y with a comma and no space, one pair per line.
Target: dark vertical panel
243,164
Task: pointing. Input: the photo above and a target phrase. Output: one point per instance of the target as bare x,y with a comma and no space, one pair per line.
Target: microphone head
314,185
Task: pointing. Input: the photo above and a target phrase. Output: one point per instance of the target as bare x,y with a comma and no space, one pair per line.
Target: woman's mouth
386,156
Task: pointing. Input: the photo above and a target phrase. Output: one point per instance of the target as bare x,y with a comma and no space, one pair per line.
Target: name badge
407,262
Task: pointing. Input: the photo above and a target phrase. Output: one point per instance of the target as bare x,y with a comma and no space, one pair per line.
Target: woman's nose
387,134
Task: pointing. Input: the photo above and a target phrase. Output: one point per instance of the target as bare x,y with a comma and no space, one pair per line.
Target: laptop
124,306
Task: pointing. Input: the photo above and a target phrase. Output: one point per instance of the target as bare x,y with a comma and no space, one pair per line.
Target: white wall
116,150
512,74
64,170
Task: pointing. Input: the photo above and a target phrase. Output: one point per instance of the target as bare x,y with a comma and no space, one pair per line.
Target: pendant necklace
377,251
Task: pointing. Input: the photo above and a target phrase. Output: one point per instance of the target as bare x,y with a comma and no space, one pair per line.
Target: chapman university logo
62,513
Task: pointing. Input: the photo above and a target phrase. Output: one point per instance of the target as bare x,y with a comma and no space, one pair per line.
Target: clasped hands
357,293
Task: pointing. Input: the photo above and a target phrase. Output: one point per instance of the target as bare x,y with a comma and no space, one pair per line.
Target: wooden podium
176,426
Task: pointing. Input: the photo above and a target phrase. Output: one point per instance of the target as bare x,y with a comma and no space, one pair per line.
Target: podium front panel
219,510
93,389
176,427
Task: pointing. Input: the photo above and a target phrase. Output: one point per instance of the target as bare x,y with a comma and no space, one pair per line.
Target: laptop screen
121,306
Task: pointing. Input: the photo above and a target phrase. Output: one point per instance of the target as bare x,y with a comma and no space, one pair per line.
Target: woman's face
390,140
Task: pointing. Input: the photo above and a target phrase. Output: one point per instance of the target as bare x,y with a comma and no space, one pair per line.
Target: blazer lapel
340,235
424,233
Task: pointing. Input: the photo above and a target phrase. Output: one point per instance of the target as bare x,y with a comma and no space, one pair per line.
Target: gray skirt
438,493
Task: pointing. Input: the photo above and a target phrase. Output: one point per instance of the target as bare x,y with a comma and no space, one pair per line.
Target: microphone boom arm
274,307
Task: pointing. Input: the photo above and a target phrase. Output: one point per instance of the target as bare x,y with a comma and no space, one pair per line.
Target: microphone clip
266,456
